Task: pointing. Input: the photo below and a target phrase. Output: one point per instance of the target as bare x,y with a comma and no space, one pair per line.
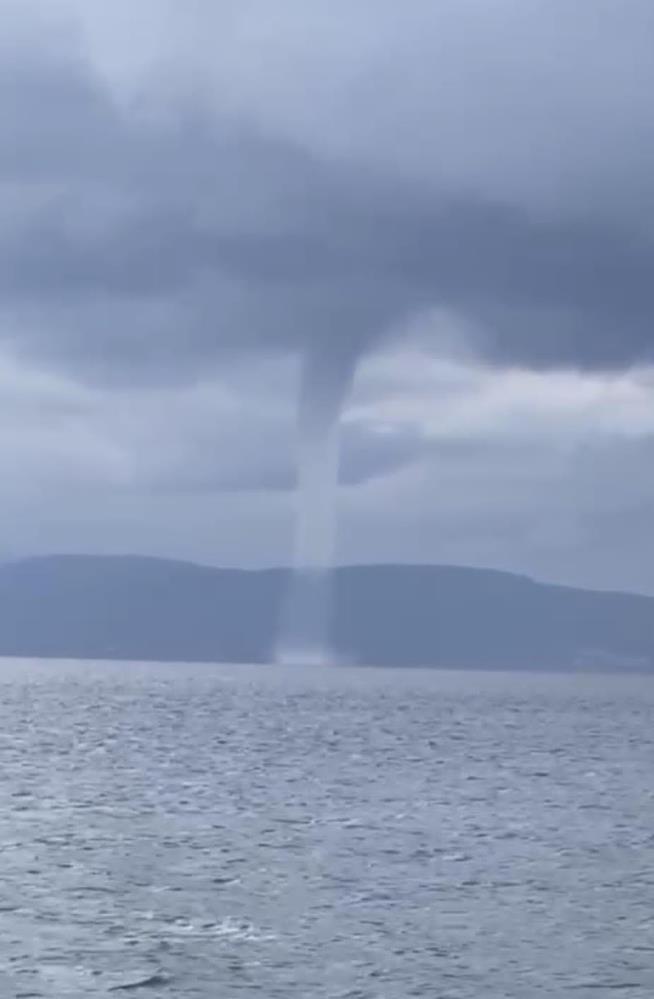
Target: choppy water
284,832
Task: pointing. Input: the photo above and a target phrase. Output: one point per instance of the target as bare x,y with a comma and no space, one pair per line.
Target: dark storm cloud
153,238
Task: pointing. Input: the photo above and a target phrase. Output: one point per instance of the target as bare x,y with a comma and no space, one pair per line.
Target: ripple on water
193,832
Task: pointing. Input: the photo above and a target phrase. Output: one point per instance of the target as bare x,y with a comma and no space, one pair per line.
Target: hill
144,608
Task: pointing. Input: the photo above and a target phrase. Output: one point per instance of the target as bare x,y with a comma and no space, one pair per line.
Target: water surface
183,831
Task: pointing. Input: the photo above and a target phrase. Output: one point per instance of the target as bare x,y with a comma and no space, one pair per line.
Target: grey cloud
321,179
527,509
200,234
205,471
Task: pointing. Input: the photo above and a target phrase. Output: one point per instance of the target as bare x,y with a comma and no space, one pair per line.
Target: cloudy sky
453,199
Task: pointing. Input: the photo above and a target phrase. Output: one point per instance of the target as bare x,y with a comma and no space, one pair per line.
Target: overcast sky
458,194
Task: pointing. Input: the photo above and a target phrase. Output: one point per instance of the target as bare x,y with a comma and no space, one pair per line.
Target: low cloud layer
545,472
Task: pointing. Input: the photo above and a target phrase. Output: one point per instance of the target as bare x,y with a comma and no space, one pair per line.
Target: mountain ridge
147,607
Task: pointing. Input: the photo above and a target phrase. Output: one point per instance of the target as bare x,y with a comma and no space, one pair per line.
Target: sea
228,831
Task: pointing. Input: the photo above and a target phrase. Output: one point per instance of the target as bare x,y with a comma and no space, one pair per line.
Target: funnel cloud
325,380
